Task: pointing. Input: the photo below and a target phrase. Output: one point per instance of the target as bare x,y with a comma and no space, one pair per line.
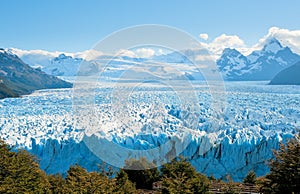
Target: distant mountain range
261,64
17,78
288,76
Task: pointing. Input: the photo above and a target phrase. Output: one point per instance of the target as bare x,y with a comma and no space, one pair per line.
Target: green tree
123,184
58,184
101,184
180,176
143,179
284,176
264,185
250,178
229,187
20,173
80,181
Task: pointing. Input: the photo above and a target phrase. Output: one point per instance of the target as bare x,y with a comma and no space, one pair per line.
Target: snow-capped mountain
56,63
259,65
233,62
17,78
62,65
67,64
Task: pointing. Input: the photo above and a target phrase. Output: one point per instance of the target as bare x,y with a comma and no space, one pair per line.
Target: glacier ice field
256,117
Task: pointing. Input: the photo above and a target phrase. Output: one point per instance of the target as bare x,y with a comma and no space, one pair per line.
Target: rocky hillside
18,78
288,76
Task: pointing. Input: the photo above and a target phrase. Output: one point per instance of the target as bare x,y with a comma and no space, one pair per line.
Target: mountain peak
7,52
230,52
272,45
62,57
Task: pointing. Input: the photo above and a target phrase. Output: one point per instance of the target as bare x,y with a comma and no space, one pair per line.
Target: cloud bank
290,38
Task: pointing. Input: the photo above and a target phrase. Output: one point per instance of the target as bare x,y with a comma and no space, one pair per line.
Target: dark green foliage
229,187
58,184
123,184
20,173
264,185
212,178
250,178
284,174
143,179
180,177
106,170
80,181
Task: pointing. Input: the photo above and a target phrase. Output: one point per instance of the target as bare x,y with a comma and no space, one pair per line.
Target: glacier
256,118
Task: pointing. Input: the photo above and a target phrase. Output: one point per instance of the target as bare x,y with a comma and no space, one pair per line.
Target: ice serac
57,156
229,157
257,117
259,65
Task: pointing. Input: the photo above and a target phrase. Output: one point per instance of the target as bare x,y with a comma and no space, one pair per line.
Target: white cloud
21,53
47,55
138,53
203,36
88,54
160,52
224,41
290,38
144,52
127,53
204,58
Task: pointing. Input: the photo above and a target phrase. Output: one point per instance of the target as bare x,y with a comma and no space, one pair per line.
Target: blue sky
70,25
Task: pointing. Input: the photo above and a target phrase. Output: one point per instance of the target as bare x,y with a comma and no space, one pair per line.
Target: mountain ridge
260,65
17,78
288,76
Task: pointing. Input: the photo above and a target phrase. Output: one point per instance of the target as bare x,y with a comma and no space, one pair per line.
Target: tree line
20,173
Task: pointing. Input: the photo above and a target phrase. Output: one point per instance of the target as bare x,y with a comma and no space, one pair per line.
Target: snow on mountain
56,63
272,45
259,65
232,61
63,65
18,78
